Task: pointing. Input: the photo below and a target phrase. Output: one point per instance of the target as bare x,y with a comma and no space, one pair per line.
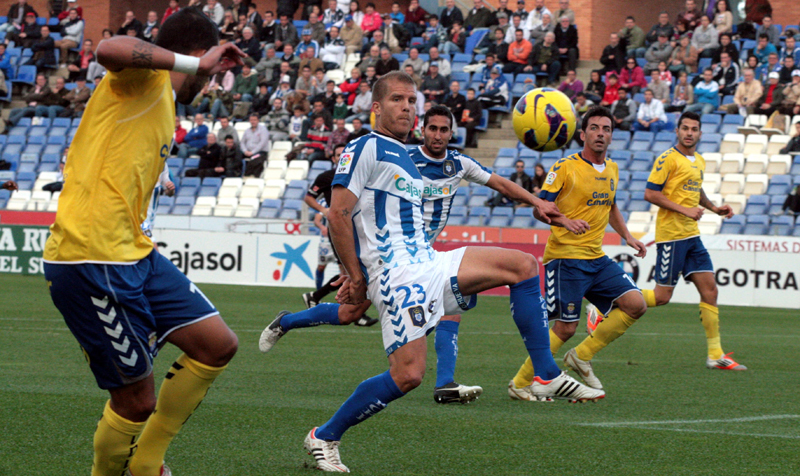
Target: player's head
596,128
338,149
689,130
393,101
437,130
188,32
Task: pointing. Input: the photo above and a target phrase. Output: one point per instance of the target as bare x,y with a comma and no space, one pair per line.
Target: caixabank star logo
288,259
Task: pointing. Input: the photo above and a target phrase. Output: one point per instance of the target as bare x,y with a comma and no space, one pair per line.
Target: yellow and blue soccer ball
544,119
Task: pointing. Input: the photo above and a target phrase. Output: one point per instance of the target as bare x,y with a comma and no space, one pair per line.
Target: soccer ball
544,119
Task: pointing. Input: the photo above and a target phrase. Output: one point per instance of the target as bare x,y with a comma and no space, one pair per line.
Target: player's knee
348,315
225,351
135,407
409,379
636,309
527,267
663,299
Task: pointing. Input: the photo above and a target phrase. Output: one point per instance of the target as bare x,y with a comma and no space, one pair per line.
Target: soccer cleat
593,318
565,387
456,393
164,471
325,452
582,368
271,333
365,321
724,363
308,298
524,393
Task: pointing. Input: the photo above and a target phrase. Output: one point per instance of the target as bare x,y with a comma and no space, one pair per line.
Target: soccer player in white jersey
376,225
165,186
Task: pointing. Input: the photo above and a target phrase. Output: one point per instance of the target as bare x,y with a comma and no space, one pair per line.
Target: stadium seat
779,164
18,200
268,212
507,152
780,185
477,201
757,205
732,183
755,144
755,184
776,143
782,225
731,163
755,164
731,143
499,221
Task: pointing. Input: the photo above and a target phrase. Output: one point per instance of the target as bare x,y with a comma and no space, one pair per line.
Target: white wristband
186,64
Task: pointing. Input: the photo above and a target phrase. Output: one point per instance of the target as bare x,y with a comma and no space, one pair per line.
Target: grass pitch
665,414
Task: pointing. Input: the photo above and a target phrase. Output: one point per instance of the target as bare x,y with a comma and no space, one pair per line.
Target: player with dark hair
675,185
584,187
121,299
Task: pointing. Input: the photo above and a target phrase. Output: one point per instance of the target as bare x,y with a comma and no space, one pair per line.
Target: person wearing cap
415,18
444,63
450,14
16,16
519,52
352,35
284,88
659,51
535,15
333,15
791,96
434,84
479,16
307,42
542,29
747,94
521,11
496,90
772,96
26,34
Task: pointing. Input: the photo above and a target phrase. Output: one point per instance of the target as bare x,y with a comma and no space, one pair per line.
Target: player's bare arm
503,186
617,222
315,205
656,197
121,52
340,229
724,211
578,227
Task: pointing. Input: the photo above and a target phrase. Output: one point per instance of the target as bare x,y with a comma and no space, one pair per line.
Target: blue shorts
568,281
121,314
681,257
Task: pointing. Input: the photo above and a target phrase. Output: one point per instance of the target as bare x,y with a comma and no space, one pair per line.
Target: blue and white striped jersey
387,219
441,178
147,224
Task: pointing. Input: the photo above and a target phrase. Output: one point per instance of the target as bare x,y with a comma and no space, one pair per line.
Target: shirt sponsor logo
433,191
599,199
405,185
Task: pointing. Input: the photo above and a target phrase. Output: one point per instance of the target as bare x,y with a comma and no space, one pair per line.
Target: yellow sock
614,325
709,316
184,387
114,443
649,297
524,376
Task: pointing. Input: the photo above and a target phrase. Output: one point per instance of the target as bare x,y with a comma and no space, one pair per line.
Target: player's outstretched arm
121,52
340,231
725,210
617,222
503,186
578,227
656,197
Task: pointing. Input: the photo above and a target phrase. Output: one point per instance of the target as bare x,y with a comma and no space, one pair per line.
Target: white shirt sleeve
355,167
475,172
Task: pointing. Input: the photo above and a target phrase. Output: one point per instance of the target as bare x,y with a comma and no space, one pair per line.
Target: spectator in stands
611,90
44,50
362,104
152,22
320,110
571,86
624,110
39,92
659,51
651,116
307,43
55,103
16,16
632,77
349,87
333,15
498,47
215,11
663,73
772,96
455,101
763,49
564,11
52,186
457,38
333,50
26,34
290,57
791,96
231,156
793,146
255,146
178,136
226,129
519,53
748,92
211,162
772,66
450,14
340,109
434,35
690,17
285,75
520,178
261,101
478,17
269,28
596,88
567,43
409,70
298,123
154,34
535,15
705,38
286,33
339,135
358,130
496,90
80,67
792,202
316,140
502,7
663,26
415,18
434,85
195,139
245,85
582,103
517,24
372,20
5,64
71,33
769,29
471,117
354,10
351,35
250,45
728,47
633,38
268,64
444,63
377,40
683,95
613,57
328,97
659,88
78,97
133,27
414,60
369,77
786,70
371,60
538,32
172,8
706,95
521,11
726,75
387,63
308,58
277,121
790,50
723,18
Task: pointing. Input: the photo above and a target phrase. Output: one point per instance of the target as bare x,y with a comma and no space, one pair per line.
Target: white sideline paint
683,422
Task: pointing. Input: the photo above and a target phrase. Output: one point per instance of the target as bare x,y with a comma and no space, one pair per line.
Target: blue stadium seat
271,203
460,76
289,214
507,152
39,140
504,162
175,162
779,185
462,191
499,221
184,200
782,225
293,204
734,119
25,75
292,193
38,131
524,212
479,211
755,229
710,119
459,201
757,205
638,206
268,212
502,212
527,153
190,181
458,211
476,221
660,146
188,191
207,192
796,231
57,139
480,190
191,163
64,122
716,138
522,222
212,182
477,201
53,149
18,134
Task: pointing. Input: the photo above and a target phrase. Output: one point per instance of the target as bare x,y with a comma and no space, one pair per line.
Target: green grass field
665,414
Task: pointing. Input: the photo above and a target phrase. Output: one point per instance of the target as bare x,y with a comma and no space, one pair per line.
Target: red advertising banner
9,217
482,234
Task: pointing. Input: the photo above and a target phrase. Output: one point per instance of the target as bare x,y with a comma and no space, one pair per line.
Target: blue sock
371,396
530,315
446,345
320,276
325,313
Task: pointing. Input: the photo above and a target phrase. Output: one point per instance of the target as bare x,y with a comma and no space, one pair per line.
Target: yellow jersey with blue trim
680,179
582,191
114,162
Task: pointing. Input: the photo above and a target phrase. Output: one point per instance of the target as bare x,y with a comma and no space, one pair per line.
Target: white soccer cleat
308,298
325,452
724,363
593,318
524,393
582,368
456,393
272,333
565,387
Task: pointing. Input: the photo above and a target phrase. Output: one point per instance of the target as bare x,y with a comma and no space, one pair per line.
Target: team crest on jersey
449,168
612,184
551,177
345,161
417,315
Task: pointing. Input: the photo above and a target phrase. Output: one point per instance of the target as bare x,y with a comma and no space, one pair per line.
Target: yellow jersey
582,191
680,179
114,162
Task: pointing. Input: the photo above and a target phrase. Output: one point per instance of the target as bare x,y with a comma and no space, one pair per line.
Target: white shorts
454,301
325,253
411,299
